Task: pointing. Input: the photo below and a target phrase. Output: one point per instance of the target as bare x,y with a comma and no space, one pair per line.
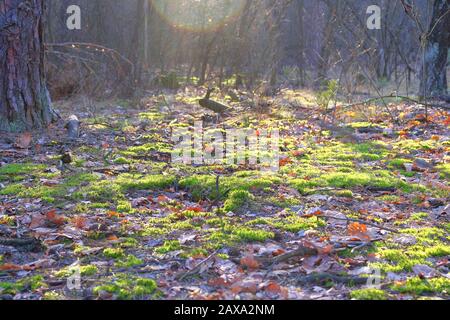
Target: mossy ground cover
133,222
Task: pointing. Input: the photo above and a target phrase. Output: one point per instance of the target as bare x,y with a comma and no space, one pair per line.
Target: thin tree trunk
434,78
24,99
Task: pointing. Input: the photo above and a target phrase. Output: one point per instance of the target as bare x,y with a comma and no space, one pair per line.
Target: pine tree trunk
24,99
434,78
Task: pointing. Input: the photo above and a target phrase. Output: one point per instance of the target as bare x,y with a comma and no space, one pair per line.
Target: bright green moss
128,262
368,294
20,168
88,270
100,191
202,186
127,287
168,246
149,182
122,160
52,296
429,243
30,283
129,243
237,199
398,163
124,206
12,190
113,253
407,145
419,216
147,149
344,180
250,235
444,169
418,286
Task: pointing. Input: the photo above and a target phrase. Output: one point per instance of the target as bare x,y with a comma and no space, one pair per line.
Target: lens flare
199,15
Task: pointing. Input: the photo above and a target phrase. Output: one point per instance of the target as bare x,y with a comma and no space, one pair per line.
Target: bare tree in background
435,45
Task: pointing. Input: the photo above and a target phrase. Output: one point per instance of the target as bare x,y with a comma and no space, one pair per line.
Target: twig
197,268
299,252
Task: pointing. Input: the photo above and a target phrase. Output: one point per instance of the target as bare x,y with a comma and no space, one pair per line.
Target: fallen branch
302,251
197,268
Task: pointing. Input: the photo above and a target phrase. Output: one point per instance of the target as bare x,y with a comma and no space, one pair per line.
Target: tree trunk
434,78
24,99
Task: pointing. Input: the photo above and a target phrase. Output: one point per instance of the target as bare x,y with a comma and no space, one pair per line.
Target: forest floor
356,211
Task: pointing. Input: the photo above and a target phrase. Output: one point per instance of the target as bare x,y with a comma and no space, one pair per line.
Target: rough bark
24,99
434,79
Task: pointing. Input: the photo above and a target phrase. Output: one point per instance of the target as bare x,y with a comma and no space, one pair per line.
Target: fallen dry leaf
250,262
24,140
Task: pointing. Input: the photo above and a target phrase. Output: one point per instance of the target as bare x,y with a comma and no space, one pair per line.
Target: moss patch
368,294
127,287
418,286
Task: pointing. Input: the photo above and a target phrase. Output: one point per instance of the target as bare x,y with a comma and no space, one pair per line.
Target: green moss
223,256
168,246
113,253
195,252
418,216
444,169
20,168
52,296
129,262
88,270
408,145
127,287
129,243
12,190
357,125
237,199
148,182
418,286
146,149
249,235
122,160
368,294
344,193
429,243
204,186
30,283
78,179
398,163
100,191
124,206
294,223
344,180
151,116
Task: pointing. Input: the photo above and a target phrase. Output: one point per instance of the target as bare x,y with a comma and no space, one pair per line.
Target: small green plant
328,94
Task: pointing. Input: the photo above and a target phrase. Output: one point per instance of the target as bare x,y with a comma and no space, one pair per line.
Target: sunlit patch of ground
139,227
